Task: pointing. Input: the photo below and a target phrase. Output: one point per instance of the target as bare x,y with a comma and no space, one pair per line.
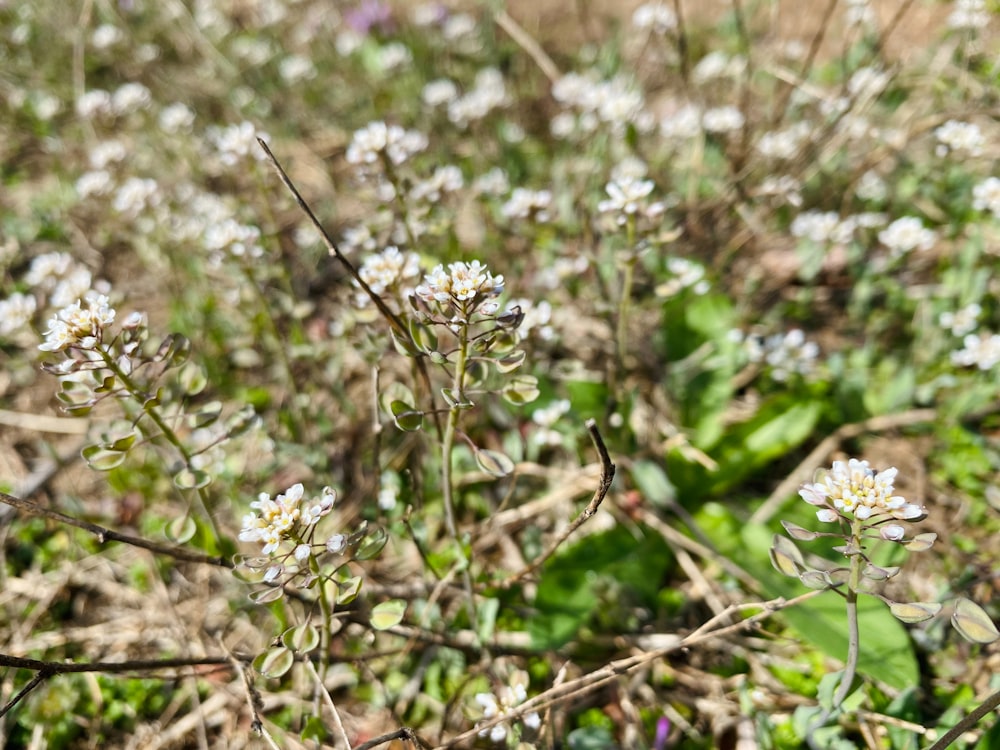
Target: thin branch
47,669
607,476
328,699
403,733
967,723
529,45
104,535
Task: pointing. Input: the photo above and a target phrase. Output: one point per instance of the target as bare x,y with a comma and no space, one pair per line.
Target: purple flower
662,730
371,14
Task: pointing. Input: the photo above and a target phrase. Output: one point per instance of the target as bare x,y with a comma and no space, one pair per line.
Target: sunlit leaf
174,350
274,662
205,415
972,622
523,389
510,361
388,614
192,378
347,590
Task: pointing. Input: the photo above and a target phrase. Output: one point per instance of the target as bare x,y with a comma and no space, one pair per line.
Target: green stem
624,301
327,611
447,449
165,430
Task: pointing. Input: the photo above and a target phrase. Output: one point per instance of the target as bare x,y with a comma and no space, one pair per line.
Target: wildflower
961,322
906,234
130,98
969,14
107,152
464,285
176,118
816,226
507,698
986,196
77,326
655,17
528,204
488,93
390,269
240,240
394,56
546,418
136,195
682,124
378,138
283,518
686,275
438,92
93,104
718,65
955,136
784,144
627,197
867,82
295,68
871,187
982,351
15,313
722,119
493,183
236,142
446,179
105,36
854,490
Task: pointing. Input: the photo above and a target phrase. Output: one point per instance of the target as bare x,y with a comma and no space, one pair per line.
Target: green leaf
302,638
522,389
972,622
785,557
910,612
510,361
653,483
494,463
388,614
192,378
630,561
268,595
274,662
100,458
348,589
372,545
205,415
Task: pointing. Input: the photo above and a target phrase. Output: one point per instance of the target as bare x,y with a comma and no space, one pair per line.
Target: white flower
722,119
15,313
390,269
906,234
969,14
130,98
655,17
961,322
855,489
986,196
982,351
488,93
438,92
524,204
79,325
295,68
93,104
176,118
462,284
627,197
379,138
959,136
238,141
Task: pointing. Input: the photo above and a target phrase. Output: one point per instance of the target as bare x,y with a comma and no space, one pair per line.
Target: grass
734,249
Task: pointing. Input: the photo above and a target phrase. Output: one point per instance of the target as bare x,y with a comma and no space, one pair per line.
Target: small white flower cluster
616,103
978,350
136,195
627,197
969,14
390,270
986,196
854,490
79,326
906,234
868,82
718,64
16,313
376,139
445,180
545,418
686,275
508,698
236,142
961,322
654,17
284,519
784,188
959,137
860,13
824,227
465,286
239,240
784,144
528,204
681,123
787,354
487,94
720,120
537,316
62,278
128,98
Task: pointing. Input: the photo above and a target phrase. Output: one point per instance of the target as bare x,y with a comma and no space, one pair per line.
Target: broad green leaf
631,561
388,614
